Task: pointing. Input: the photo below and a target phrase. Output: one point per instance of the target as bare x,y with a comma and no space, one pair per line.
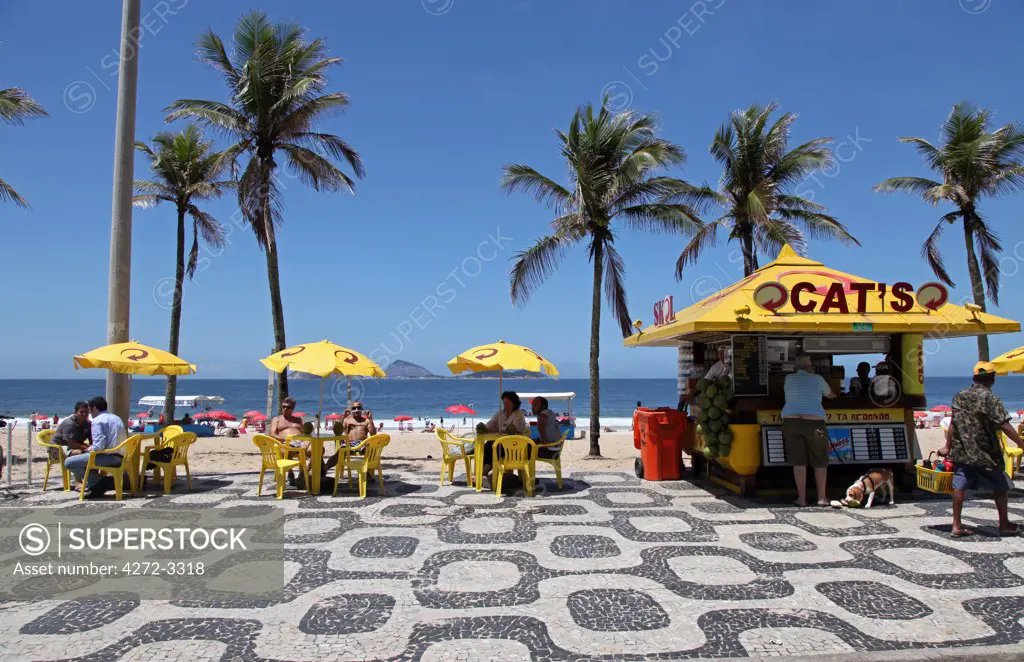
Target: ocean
421,398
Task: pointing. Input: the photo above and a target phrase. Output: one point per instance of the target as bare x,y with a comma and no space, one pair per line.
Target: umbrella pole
320,406
348,392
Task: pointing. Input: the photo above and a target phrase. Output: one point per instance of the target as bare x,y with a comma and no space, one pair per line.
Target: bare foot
801,504
1010,530
962,533
823,504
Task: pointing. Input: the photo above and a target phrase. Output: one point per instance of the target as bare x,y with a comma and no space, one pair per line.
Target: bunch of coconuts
715,398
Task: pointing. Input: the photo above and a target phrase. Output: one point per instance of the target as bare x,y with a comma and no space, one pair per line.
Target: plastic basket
939,482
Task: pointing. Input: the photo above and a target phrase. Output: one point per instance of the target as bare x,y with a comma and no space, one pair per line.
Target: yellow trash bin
745,454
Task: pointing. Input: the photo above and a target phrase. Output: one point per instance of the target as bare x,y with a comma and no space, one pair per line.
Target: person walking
972,442
803,428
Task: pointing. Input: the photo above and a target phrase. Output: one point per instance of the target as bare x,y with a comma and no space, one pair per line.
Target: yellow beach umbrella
1012,361
322,359
501,356
134,359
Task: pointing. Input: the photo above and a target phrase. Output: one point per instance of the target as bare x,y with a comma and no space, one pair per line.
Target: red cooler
659,434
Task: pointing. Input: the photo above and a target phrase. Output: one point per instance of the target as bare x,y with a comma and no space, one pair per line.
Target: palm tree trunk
172,344
977,284
595,350
273,276
276,307
749,258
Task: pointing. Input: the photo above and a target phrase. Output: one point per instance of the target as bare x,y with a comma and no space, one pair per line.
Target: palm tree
185,171
758,189
16,106
973,162
612,161
277,82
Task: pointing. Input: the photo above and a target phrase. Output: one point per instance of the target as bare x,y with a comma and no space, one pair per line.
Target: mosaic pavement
609,568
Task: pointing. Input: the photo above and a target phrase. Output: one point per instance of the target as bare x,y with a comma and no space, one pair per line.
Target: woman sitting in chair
510,419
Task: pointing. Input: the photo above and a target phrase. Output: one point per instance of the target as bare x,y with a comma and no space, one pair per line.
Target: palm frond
989,247
524,179
615,288
334,147
316,171
931,252
16,106
531,267
704,238
8,194
660,217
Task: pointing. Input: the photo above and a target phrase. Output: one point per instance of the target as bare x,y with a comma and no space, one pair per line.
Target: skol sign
663,311
845,297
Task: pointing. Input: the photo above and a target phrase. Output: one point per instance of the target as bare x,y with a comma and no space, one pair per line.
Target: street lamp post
119,288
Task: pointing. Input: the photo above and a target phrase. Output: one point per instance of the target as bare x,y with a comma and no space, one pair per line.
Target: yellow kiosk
795,305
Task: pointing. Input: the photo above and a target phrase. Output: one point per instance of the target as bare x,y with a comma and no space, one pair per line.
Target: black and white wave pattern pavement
608,568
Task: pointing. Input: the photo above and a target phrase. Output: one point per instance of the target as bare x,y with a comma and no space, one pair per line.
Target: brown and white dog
868,486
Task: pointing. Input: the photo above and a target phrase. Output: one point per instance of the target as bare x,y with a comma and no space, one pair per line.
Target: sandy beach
414,450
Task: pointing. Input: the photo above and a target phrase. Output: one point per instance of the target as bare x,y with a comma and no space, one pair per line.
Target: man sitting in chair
547,427
108,432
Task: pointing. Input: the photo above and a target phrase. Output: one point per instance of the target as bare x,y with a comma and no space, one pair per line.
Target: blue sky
444,92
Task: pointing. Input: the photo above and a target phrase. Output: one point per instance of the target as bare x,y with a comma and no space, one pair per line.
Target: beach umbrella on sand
135,359
501,356
461,410
941,409
218,415
322,359
40,417
333,417
402,418
920,414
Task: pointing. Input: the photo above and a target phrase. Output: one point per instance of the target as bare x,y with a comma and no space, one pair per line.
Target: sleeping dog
868,486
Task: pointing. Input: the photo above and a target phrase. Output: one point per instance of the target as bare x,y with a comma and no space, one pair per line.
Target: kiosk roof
733,310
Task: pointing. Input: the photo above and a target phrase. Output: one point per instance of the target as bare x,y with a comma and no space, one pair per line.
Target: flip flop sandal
1010,532
963,533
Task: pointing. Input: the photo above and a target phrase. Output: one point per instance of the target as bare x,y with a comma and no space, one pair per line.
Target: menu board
750,365
859,444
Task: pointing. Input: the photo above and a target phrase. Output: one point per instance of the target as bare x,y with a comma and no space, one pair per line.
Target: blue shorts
967,477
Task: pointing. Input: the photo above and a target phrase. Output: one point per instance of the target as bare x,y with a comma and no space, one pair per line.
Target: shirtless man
357,426
284,425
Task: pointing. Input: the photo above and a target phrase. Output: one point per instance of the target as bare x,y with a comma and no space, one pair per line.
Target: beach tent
190,401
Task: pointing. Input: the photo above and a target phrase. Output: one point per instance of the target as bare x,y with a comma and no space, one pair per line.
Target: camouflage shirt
978,414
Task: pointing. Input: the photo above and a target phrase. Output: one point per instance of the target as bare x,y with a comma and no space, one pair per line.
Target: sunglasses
287,406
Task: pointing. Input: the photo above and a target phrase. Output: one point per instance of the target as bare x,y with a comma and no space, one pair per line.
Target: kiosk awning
829,301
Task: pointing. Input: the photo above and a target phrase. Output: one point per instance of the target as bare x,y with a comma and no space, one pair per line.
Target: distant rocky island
407,370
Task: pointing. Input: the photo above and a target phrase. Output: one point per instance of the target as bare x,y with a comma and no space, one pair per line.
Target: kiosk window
750,364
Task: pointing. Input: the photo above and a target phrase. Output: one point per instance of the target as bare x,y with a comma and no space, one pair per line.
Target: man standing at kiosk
972,441
803,427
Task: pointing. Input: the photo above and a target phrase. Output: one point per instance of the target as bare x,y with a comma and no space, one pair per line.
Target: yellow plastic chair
180,444
43,439
514,453
270,453
168,432
1013,456
300,454
555,462
365,464
129,450
454,449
